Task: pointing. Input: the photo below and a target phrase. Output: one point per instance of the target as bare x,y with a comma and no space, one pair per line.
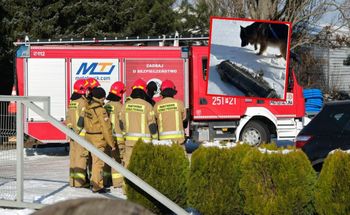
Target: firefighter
78,154
151,90
92,83
137,119
113,108
99,132
170,114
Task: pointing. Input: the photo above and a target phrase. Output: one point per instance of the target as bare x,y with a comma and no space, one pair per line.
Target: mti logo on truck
105,70
102,69
95,68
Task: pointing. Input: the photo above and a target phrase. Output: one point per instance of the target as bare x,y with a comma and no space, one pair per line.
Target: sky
331,15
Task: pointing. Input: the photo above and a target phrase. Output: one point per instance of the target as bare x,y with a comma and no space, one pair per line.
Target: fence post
19,146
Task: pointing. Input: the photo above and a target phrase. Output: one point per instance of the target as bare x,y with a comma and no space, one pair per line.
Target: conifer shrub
273,182
213,186
269,146
333,186
165,168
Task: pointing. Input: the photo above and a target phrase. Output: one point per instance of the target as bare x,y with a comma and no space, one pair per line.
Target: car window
346,129
344,121
332,119
338,116
341,119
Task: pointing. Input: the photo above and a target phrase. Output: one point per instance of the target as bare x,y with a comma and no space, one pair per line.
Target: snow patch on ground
284,151
216,143
345,151
219,145
46,172
162,142
28,154
4,211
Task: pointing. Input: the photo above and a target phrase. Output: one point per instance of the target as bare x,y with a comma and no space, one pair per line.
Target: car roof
329,110
337,103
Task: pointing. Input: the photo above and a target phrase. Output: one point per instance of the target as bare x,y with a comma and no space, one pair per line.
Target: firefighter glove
153,128
80,122
121,125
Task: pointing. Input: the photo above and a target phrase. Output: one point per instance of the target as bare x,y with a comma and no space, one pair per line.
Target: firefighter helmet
167,84
80,86
93,83
117,88
139,84
98,92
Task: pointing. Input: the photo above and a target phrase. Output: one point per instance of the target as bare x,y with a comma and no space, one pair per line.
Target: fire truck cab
245,119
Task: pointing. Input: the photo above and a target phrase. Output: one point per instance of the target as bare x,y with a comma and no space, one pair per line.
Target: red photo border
251,20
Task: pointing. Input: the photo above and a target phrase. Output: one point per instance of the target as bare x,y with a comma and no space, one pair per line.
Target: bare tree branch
282,12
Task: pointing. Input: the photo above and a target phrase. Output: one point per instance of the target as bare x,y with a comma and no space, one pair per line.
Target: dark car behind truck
327,131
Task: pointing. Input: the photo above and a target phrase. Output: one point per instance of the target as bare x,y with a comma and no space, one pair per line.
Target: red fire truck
50,68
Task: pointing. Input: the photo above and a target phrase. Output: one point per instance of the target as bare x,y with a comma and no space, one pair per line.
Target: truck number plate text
217,100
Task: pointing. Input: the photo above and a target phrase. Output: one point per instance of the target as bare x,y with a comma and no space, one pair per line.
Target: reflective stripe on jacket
171,135
136,136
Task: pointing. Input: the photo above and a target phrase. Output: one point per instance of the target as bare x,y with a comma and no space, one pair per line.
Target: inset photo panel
248,57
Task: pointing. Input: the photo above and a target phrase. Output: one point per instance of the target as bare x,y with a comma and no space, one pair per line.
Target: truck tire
255,133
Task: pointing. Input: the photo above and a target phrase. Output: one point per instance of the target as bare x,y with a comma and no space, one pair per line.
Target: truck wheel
255,133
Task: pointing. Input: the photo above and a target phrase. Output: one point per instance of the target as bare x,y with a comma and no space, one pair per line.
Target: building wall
336,73
339,74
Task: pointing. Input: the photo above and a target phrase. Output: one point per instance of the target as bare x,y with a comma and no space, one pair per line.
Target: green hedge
213,186
276,183
333,186
163,167
241,180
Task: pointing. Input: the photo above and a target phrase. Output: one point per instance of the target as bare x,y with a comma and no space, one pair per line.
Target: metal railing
7,153
28,102
13,176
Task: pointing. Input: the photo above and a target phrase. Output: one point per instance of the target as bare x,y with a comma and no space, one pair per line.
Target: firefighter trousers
129,145
97,164
110,173
78,163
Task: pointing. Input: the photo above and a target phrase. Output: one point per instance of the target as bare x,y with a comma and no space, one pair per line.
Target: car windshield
332,119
